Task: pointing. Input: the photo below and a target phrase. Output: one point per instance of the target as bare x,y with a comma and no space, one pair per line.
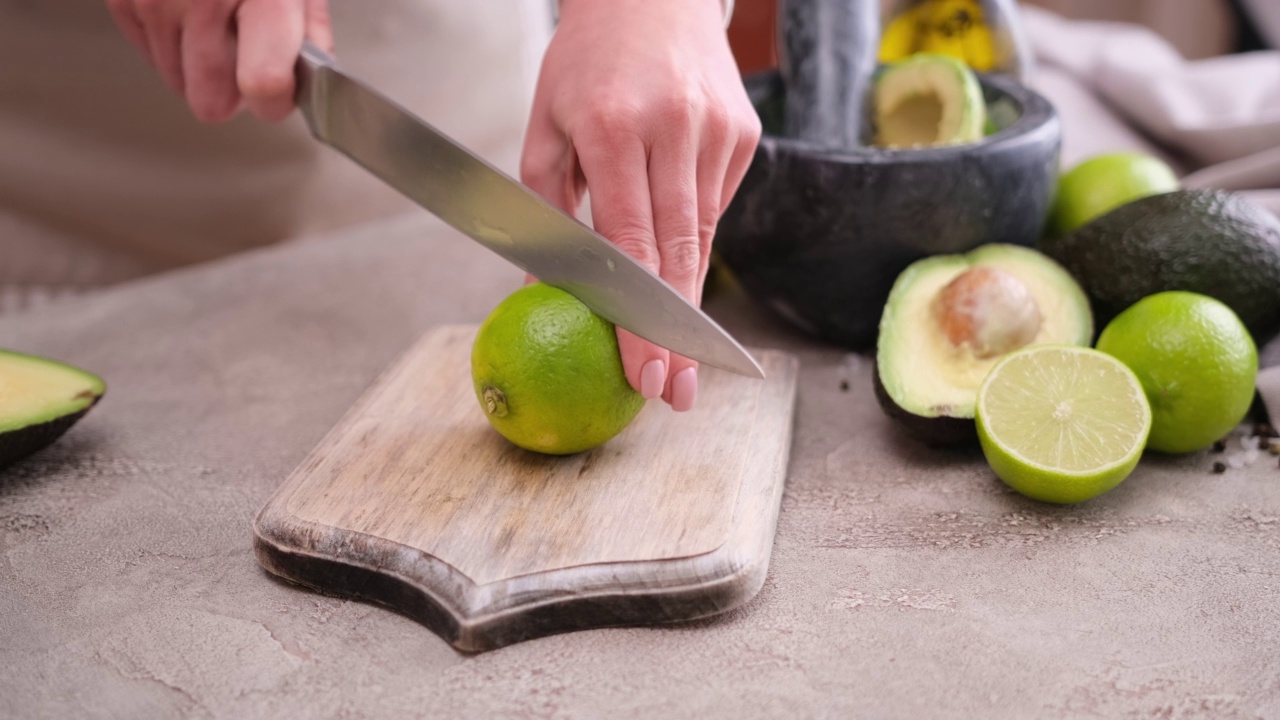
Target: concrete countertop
905,583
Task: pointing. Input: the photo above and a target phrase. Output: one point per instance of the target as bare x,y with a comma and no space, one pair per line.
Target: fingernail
652,377
684,389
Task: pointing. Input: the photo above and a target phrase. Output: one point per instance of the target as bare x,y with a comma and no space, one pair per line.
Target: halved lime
1062,424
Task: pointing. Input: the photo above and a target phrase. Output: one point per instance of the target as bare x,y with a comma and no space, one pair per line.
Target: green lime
1104,183
1197,363
548,375
1062,424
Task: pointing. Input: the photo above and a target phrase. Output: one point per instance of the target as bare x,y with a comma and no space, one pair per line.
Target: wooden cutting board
415,502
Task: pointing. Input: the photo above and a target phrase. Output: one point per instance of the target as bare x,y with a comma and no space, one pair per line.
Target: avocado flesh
1211,242
916,120
927,101
924,374
40,399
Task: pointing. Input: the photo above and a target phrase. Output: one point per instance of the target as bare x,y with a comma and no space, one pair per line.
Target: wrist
726,8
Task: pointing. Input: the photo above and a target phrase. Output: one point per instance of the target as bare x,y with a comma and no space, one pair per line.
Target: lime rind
548,375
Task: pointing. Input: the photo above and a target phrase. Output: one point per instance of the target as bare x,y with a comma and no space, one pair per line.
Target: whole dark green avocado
1211,242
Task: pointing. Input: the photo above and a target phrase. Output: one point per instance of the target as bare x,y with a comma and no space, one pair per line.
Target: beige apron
104,175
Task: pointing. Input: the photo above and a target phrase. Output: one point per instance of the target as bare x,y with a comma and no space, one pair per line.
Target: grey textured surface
904,583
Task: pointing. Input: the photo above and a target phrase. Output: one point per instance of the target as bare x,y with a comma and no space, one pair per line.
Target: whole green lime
1104,183
1197,364
548,375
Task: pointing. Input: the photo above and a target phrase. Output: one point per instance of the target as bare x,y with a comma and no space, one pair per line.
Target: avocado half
40,399
1211,242
950,318
928,100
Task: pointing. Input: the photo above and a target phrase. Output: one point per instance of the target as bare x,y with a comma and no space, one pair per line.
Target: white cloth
1221,114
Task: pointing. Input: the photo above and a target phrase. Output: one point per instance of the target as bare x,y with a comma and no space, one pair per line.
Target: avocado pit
989,310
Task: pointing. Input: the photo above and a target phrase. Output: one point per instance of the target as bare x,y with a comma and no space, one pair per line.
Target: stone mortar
819,235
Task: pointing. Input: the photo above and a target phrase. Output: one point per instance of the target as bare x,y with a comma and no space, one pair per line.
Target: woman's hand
224,55
641,102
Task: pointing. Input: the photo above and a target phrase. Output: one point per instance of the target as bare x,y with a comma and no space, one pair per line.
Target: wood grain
414,501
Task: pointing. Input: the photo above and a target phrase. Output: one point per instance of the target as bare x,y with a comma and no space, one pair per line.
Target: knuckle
638,245
681,109
750,129
610,119
708,219
532,172
717,121
682,256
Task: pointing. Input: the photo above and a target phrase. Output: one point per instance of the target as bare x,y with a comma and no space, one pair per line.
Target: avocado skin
1211,242
933,431
18,444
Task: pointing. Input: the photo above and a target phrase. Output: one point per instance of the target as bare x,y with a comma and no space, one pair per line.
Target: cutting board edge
470,624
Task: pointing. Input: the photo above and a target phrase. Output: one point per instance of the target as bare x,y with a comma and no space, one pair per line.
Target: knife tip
747,365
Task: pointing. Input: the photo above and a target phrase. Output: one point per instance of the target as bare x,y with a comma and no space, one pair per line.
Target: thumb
548,167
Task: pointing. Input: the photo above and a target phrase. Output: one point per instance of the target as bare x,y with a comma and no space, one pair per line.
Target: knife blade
503,215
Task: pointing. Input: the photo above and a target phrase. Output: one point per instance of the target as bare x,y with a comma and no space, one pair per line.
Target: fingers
209,62
126,19
270,37
645,364
220,54
746,140
718,147
161,22
613,162
673,179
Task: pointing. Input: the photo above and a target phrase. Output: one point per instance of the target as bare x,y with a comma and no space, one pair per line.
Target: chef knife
503,215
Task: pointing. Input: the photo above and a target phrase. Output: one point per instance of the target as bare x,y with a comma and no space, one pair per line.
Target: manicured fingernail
652,377
684,389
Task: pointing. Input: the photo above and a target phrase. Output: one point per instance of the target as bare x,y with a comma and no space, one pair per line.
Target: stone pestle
827,56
